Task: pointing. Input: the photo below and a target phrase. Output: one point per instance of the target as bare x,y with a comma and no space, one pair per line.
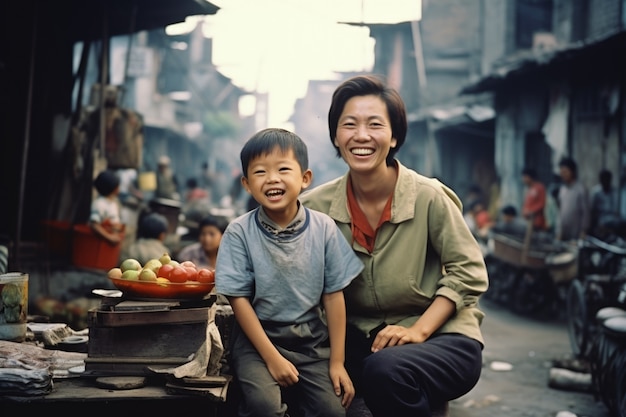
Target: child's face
275,181
210,238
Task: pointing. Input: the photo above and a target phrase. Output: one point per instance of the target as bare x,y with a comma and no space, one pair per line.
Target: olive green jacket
425,250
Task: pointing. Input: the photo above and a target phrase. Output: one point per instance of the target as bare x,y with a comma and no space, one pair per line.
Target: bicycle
601,273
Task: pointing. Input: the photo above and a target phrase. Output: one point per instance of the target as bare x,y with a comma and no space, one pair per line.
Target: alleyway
530,346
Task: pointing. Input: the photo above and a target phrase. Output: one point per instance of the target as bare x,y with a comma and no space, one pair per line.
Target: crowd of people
567,211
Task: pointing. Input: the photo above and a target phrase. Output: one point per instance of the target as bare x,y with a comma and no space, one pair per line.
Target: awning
85,17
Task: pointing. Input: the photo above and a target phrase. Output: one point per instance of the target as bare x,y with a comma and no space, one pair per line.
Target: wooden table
81,395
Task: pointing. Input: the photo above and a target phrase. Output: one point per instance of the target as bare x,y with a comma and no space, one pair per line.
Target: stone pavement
530,346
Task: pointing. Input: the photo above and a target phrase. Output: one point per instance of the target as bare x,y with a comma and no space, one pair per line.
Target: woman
413,340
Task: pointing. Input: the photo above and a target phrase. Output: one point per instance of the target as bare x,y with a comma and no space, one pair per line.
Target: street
530,346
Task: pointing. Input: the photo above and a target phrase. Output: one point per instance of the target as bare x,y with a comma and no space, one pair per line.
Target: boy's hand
283,372
342,384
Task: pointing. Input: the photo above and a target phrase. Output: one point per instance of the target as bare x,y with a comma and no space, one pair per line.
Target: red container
56,235
91,251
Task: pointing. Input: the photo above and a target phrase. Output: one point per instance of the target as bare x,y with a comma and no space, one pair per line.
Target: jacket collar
402,206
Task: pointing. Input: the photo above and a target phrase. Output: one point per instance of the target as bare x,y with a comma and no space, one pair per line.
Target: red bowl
172,290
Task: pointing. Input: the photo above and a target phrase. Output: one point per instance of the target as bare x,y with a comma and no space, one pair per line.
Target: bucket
13,306
92,251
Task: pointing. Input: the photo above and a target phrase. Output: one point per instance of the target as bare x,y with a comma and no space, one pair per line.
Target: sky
277,46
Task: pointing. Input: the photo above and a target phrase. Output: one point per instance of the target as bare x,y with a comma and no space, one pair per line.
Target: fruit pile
164,270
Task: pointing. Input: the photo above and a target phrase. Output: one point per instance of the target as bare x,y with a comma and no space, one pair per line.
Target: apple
206,275
165,258
153,265
165,271
192,273
178,274
147,275
130,264
131,275
189,264
114,273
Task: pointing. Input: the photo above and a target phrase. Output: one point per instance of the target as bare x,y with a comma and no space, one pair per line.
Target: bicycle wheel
577,319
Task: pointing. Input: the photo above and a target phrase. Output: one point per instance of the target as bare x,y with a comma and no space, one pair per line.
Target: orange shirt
362,232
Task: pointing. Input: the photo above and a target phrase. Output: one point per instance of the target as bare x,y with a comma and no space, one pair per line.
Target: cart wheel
532,293
577,320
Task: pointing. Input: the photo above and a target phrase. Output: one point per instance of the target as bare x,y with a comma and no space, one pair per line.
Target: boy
151,234
204,252
104,217
275,264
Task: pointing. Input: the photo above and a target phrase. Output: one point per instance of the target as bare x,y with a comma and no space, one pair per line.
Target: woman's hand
396,335
439,311
342,384
283,371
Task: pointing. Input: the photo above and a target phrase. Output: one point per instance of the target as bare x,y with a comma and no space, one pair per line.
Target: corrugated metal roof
527,63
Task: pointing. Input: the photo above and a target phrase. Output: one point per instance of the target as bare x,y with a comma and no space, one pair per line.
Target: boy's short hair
530,172
106,182
570,164
152,225
509,210
264,142
217,221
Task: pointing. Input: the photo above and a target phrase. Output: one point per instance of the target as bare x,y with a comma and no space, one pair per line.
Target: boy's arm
111,237
335,307
283,371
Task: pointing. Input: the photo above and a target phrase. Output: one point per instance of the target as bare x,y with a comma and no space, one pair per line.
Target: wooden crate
128,342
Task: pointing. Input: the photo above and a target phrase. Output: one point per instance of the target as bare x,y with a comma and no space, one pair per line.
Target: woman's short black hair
365,85
106,182
264,141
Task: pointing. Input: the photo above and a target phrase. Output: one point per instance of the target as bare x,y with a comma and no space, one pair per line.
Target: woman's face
364,133
210,238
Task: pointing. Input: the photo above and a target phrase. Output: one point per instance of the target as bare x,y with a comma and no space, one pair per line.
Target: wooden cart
527,272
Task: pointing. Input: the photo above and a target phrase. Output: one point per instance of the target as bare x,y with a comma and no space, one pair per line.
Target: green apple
147,274
130,264
165,258
131,275
153,265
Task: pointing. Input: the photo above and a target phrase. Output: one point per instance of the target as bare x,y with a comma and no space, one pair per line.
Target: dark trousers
413,379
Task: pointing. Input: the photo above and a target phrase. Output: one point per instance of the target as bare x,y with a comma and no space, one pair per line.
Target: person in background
204,252
151,233
104,216
413,339
534,199
167,184
283,268
573,203
510,223
604,205
481,220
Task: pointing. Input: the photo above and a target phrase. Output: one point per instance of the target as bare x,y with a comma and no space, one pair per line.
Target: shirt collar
274,229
